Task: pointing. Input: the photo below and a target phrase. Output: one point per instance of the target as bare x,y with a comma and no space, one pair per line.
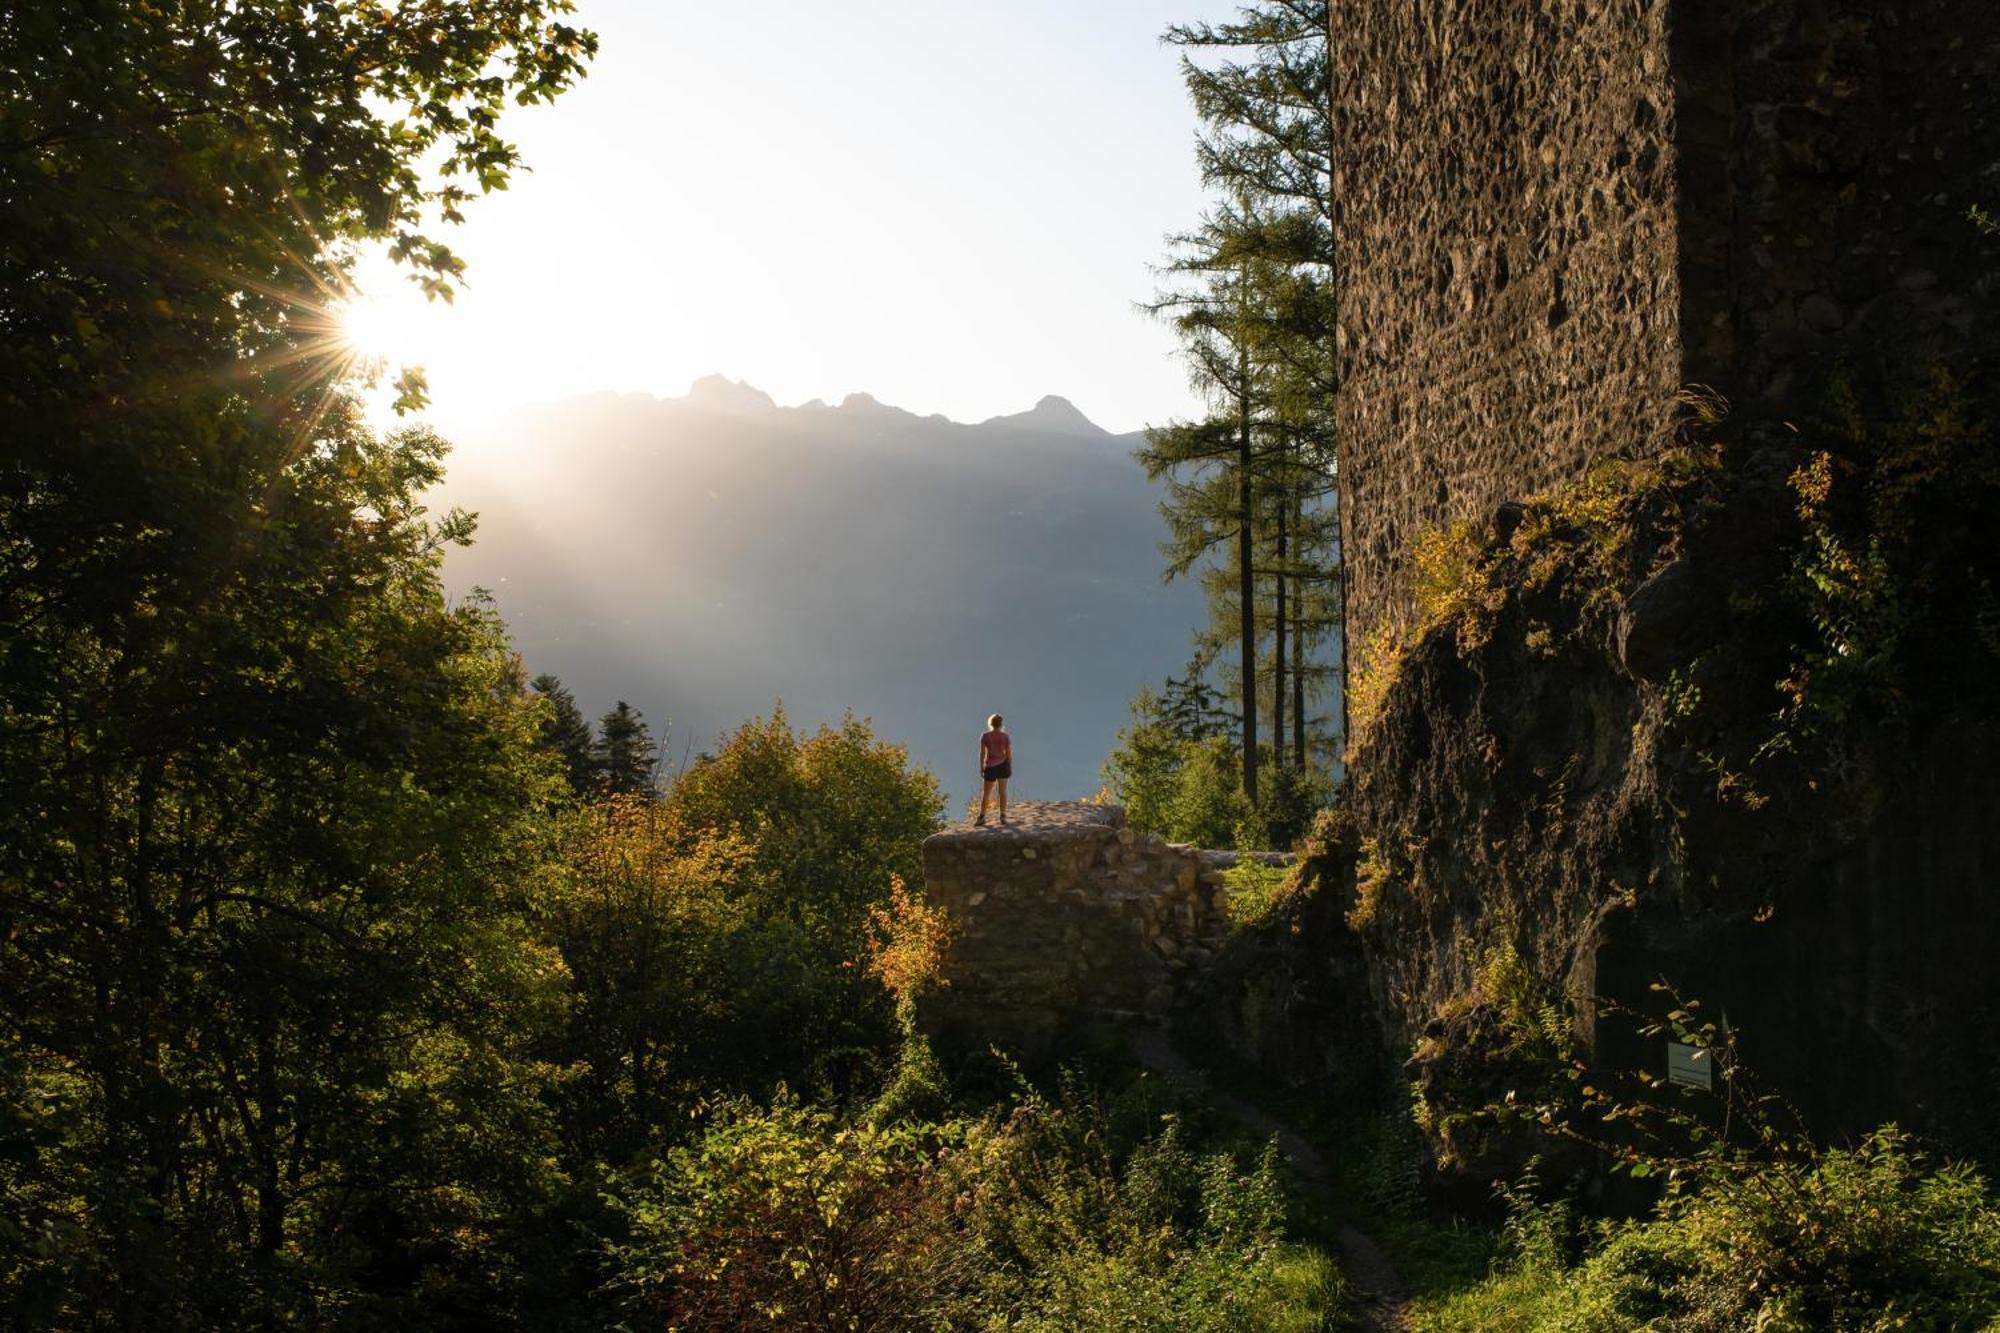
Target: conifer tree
1210,466
1262,96
625,754
1189,706
1261,89
566,733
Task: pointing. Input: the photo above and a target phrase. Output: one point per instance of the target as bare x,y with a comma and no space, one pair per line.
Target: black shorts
998,772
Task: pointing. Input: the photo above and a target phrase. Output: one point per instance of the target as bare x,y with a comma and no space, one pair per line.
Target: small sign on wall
1690,1067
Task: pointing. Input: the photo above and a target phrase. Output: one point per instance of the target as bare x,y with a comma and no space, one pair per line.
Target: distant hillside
705,556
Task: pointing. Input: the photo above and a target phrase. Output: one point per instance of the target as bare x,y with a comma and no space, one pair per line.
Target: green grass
1520,1301
1307,1292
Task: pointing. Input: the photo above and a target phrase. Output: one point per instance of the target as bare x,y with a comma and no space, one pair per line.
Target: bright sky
952,206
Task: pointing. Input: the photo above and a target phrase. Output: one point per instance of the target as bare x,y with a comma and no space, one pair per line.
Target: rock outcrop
1581,785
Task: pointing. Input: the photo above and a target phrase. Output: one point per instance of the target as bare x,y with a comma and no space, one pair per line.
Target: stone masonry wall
1554,214
1065,919
1508,291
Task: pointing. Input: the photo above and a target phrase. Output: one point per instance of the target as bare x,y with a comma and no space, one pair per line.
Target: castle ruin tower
1555,214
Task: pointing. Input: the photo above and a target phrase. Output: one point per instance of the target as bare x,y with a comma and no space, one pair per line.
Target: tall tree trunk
1247,577
1298,680
1278,645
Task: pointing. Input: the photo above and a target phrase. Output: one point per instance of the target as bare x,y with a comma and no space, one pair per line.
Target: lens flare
373,330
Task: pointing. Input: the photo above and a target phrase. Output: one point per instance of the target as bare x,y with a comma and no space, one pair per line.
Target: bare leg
985,795
1002,784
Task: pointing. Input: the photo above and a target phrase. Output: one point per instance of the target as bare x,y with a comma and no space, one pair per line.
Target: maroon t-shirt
995,747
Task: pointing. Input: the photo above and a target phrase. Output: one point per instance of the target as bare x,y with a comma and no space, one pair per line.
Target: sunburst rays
319,354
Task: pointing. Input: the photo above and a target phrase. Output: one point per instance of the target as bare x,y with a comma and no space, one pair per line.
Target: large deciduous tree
265,800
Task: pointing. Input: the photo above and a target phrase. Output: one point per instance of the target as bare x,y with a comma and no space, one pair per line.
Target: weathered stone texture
1532,789
1556,213
1066,919
1508,297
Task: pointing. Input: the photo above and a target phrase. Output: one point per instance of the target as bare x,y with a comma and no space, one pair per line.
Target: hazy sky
952,206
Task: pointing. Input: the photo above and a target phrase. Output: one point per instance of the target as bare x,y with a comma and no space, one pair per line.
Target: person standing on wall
996,765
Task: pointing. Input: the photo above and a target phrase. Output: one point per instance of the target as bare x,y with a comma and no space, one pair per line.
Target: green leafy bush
781,1218
1046,1214
1255,890
1849,1239
1758,1228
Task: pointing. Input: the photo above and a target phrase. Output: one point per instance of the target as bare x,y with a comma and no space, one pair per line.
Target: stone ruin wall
1508,297
1066,919
1557,213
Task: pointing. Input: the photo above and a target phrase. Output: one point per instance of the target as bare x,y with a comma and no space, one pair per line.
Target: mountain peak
1052,413
722,394
1058,408
871,405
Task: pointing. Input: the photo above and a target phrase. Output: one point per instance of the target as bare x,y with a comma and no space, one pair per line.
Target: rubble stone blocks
1066,919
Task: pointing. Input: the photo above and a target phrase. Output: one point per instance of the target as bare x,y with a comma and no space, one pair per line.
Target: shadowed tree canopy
185,187
265,800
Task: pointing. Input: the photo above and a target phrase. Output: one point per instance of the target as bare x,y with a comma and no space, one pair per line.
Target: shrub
1101,1223
1848,1239
1448,577
1378,659
1207,800
1373,875
1142,772
1758,1228
779,1218
1256,890
908,939
1865,1238
1053,1214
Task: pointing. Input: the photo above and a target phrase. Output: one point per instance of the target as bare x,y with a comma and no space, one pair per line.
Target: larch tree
1261,85
1214,301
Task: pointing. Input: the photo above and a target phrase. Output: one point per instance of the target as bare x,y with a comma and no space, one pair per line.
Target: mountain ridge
718,393
705,556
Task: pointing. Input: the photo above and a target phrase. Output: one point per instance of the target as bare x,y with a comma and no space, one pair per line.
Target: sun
373,329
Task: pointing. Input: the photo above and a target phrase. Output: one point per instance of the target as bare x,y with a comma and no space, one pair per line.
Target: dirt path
1384,1300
